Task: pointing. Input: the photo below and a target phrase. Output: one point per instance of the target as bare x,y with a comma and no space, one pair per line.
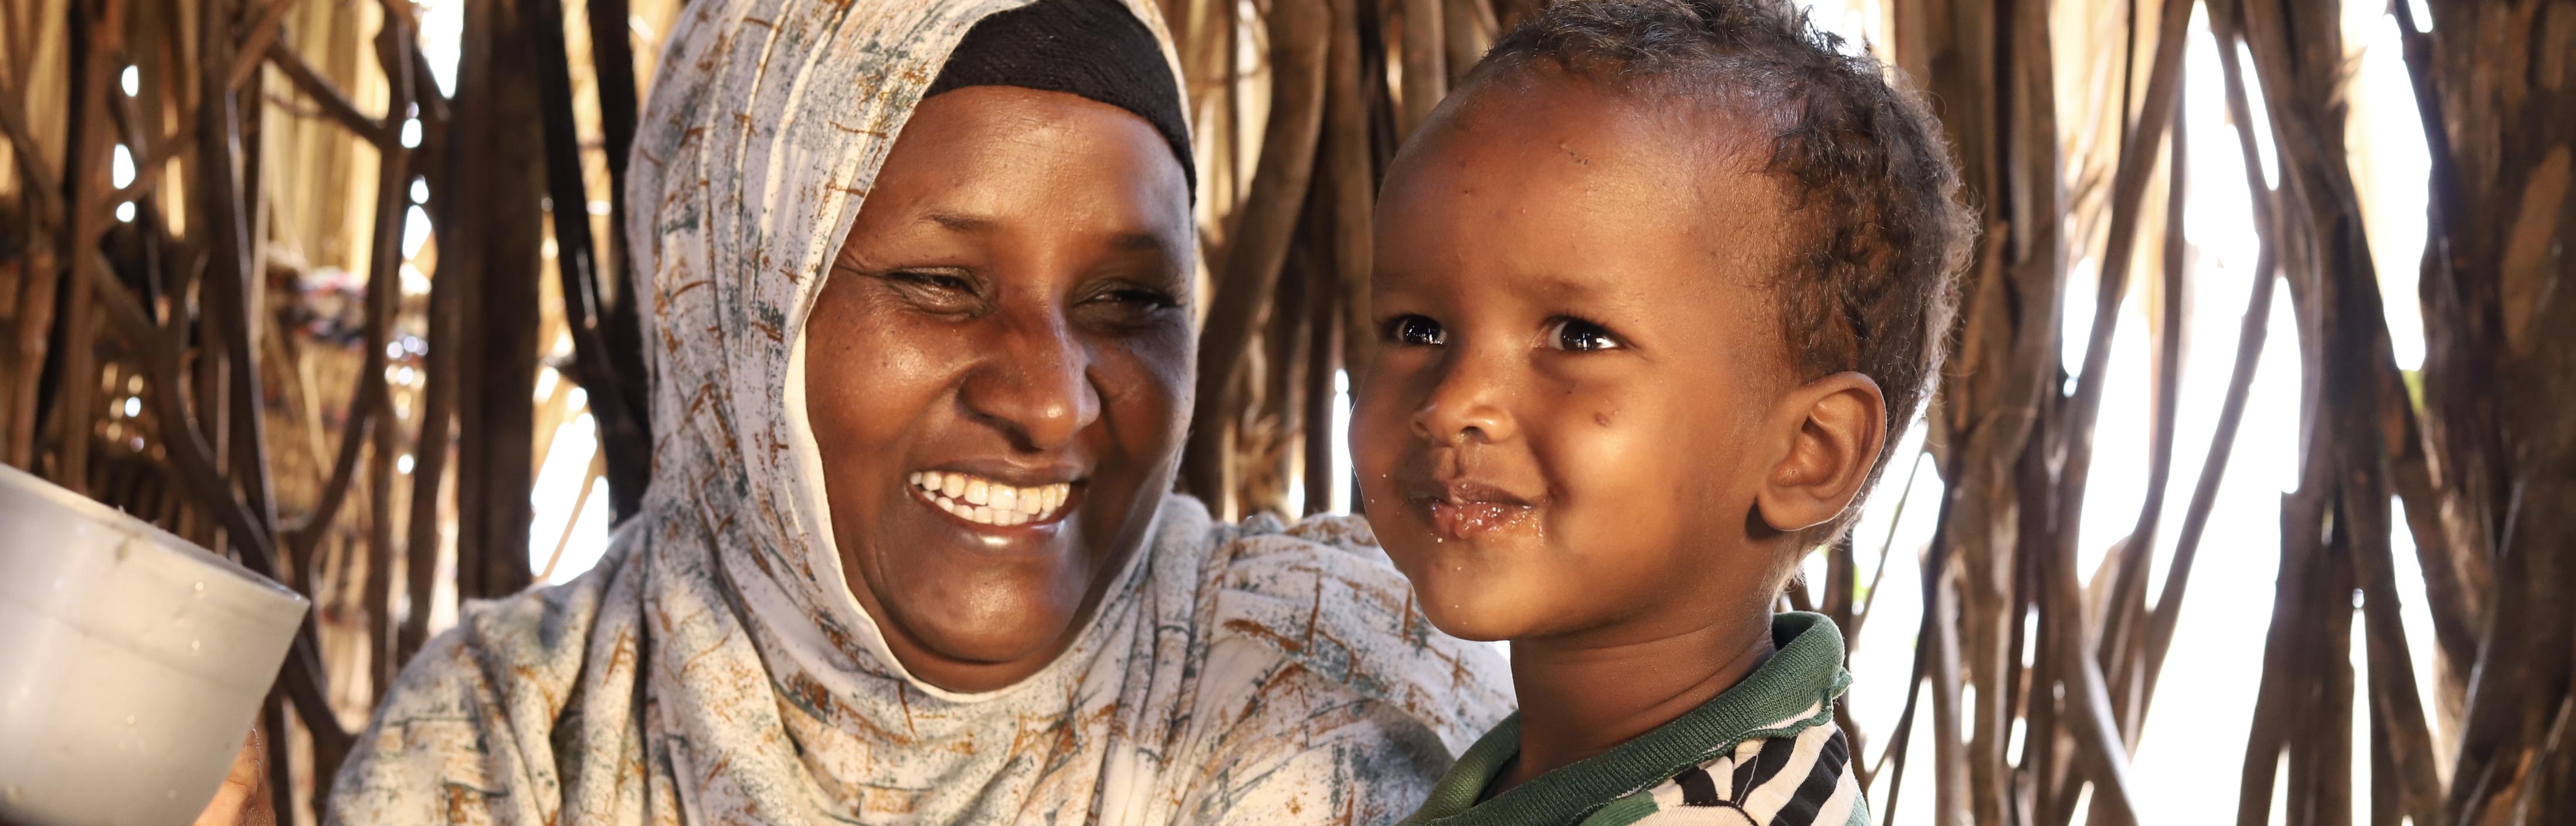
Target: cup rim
47,494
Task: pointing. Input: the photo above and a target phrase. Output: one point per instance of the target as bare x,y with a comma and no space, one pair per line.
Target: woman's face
998,372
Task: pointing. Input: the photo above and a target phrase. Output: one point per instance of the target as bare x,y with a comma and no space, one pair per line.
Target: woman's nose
1035,386
1465,404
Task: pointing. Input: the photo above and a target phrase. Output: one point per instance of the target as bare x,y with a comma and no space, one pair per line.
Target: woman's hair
1093,48
1872,285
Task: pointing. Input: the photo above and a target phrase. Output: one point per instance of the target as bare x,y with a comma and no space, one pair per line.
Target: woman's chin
994,646
979,650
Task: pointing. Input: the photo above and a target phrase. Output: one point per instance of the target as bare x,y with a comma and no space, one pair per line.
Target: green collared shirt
1764,752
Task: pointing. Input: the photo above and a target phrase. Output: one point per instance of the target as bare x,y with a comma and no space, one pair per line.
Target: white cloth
714,668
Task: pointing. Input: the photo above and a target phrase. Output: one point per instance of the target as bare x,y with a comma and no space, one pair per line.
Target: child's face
1577,393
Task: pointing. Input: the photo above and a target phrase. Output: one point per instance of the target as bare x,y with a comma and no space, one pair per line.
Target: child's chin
1482,619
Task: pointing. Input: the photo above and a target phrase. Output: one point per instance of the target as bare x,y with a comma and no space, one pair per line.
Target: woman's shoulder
461,714
1320,599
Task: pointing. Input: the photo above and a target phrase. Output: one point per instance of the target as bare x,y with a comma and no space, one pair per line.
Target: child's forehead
1555,156
1529,132
1700,122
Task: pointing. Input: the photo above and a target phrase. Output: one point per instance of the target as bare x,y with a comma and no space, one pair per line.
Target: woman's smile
994,506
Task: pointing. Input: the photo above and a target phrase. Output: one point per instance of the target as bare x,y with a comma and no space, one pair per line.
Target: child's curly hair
1873,284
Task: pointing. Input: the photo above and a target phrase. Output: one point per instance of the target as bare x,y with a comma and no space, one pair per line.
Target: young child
1655,285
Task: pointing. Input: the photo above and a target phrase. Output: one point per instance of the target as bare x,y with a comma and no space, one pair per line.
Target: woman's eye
1414,330
933,280
1580,336
1142,298
933,290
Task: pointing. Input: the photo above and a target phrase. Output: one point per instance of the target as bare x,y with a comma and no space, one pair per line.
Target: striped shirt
1800,778
1765,752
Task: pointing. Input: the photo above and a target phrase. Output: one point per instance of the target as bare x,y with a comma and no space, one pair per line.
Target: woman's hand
244,798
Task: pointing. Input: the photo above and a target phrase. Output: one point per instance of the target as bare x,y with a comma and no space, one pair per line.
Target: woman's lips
990,502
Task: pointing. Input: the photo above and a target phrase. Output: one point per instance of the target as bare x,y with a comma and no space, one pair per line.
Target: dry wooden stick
440,367
192,460
256,37
2396,705
1259,240
1949,750
589,480
2124,612
2461,321
1349,173
36,171
1471,30
2128,190
147,176
89,143
42,189
1885,546
333,103
2250,335
384,304
1426,61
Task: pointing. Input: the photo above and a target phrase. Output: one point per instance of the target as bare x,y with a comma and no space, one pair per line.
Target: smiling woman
1006,316
920,278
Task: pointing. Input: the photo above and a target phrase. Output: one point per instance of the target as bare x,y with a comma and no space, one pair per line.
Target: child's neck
1582,694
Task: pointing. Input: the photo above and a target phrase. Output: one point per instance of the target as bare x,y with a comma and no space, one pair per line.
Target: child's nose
1464,407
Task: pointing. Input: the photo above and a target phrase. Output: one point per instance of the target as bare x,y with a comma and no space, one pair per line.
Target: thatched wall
255,356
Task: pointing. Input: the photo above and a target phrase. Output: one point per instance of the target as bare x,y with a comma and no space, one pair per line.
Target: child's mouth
1467,521
1465,510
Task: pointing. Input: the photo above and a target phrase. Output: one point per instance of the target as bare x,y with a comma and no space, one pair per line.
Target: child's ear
1840,421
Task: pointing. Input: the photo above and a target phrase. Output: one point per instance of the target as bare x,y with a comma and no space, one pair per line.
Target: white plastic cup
132,663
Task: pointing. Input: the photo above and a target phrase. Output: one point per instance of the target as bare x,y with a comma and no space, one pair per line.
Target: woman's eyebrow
966,224
960,222
1136,242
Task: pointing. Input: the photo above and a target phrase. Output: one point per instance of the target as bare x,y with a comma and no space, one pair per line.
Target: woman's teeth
977,499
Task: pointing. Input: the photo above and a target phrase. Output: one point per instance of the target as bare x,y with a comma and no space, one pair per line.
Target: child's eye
1577,335
1414,330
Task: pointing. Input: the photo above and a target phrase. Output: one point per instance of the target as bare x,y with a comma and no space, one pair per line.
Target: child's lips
1465,510
1468,521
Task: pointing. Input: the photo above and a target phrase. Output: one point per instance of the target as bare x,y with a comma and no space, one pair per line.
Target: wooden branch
364,409
613,59
1885,546
2396,706
589,480
1258,243
1323,357
1471,30
586,302
1426,62
440,368
333,103
1949,749
383,307
256,37
2128,190
37,171
147,177
2122,643
1355,85
497,232
96,41
193,461
2250,335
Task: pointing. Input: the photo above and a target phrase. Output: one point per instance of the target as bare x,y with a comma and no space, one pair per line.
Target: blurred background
2251,486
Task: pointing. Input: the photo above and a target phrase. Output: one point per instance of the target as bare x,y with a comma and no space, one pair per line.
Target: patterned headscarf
714,668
